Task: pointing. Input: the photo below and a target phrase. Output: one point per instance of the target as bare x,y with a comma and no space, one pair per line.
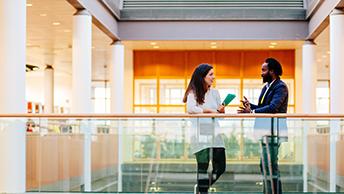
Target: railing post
86,129
305,156
120,155
334,129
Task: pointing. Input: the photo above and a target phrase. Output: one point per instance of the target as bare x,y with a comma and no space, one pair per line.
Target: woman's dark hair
275,66
197,84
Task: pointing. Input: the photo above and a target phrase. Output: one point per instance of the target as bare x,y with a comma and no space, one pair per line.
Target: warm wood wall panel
228,63
194,58
170,63
287,59
144,64
253,61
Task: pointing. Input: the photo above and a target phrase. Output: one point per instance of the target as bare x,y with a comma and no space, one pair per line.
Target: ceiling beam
320,19
102,17
213,30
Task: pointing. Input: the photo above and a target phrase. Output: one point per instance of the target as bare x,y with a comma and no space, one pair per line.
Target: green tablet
228,99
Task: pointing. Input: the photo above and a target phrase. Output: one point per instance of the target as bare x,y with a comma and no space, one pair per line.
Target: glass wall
157,154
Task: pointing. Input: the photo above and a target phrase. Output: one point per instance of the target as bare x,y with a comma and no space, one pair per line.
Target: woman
205,143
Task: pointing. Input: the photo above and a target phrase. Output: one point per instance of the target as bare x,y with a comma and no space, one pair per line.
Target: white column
48,89
81,82
117,77
117,98
82,60
336,61
309,81
337,86
309,77
12,98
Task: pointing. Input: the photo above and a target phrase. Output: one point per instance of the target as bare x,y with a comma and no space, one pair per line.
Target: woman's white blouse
212,101
205,133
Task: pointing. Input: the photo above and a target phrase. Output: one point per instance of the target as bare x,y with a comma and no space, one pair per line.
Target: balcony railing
154,153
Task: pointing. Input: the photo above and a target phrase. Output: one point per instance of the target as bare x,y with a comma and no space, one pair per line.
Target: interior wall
298,80
35,88
227,63
129,80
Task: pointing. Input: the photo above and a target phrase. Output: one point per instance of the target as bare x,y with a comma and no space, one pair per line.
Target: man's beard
267,78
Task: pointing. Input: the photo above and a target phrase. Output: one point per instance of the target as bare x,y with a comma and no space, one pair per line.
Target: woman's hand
221,109
207,110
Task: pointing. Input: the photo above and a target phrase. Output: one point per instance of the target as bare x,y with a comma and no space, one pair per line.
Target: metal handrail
123,116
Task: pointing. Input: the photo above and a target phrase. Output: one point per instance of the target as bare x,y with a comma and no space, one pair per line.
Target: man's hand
245,102
246,108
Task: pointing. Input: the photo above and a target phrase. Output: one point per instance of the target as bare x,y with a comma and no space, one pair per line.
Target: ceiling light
328,52
66,30
213,43
273,43
153,43
213,47
29,4
271,46
43,14
156,47
324,56
56,23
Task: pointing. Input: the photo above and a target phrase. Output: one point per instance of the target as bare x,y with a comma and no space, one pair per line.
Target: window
226,86
169,99
252,89
323,97
145,91
172,91
101,97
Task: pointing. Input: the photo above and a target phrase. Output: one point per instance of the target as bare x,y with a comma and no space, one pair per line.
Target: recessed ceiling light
29,4
153,43
93,47
273,43
324,56
156,47
271,46
213,43
43,14
328,52
213,47
56,23
66,30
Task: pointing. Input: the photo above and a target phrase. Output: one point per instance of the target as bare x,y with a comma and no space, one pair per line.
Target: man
274,95
273,99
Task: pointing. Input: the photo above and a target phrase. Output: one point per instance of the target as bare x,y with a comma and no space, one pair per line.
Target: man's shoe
196,189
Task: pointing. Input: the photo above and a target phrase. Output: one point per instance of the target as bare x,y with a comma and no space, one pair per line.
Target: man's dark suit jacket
275,100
